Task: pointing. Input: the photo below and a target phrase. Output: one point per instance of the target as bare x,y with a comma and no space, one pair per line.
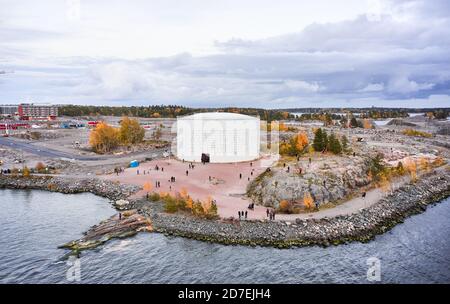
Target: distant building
9,110
29,111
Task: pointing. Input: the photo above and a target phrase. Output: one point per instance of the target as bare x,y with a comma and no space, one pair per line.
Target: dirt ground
225,185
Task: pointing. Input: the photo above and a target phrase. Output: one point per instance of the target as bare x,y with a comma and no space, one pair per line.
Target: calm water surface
34,223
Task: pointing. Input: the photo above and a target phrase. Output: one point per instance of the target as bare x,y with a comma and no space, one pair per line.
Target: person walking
267,212
120,216
245,214
364,195
137,171
240,175
239,214
187,172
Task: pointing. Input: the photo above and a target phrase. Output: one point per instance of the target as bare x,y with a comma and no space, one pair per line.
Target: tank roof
219,115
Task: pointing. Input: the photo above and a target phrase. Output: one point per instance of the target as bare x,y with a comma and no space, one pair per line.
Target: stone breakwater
361,226
112,191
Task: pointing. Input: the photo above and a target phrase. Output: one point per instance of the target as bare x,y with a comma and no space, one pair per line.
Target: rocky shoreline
110,190
361,226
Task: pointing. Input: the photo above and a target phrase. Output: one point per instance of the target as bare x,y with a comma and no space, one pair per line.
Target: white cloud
404,85
372,87
301,54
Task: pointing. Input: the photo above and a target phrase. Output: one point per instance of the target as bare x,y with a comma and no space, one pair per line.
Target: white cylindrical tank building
218,137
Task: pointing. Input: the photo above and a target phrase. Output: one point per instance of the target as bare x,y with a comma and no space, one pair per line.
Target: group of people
251,206
118,170
270,214
157,168
242,214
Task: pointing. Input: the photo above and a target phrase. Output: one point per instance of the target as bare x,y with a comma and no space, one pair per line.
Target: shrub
14,172
285,206
25,172
170,204
439,161
412,132
197,208
411,168
212,211
40,167
400,169
154,197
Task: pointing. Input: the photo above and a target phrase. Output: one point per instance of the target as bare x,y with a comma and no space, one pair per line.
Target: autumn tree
301,141
103,138
367,124
131,132
308,201
285,206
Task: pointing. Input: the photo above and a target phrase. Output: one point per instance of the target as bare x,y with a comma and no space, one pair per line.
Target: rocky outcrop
332,181
128,224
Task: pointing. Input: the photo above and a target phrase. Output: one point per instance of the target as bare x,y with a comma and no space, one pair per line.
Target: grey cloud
359,62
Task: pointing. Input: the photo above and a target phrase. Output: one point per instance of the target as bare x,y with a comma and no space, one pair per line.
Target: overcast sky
256,53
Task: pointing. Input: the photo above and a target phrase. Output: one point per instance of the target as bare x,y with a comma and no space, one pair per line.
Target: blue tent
134,164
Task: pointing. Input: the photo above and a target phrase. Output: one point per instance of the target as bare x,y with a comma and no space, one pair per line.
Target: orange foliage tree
103,138
308,201
367,124
285,206
411,167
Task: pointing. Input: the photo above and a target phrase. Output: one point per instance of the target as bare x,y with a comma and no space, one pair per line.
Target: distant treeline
373,112
171,111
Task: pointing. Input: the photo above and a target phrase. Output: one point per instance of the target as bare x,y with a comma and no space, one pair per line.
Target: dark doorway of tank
205,158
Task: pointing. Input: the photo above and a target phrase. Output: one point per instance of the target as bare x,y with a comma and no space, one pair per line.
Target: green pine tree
318,140
334,146
344,143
